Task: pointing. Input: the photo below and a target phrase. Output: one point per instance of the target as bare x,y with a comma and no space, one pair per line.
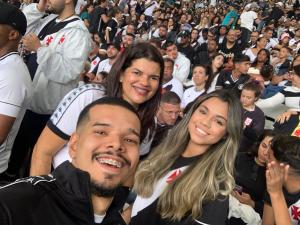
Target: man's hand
31,42
276,175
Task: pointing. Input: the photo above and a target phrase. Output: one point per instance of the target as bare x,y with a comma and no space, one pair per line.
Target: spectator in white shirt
181,63
171,83
15,81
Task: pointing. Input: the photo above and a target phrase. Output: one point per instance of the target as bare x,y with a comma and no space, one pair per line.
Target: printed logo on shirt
296,131
173,176
248,121
49,40
240,87
61,40
294,211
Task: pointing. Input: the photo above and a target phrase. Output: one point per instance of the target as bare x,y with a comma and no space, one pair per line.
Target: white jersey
190,95
60,59
64,119
174,85
15,94
247,19
181,67
104,66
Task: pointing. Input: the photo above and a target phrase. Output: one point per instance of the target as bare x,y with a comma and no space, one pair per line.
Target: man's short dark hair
205,30
131,35
168,59
170,97
286,149
253,86
168,44
267,29
84,115
163,25
239,58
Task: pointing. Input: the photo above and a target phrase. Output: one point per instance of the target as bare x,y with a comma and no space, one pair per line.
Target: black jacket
61,198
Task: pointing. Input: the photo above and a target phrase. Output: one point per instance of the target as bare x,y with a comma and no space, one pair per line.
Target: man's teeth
110,162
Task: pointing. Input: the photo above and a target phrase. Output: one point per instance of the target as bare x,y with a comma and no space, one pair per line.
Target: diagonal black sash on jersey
50,28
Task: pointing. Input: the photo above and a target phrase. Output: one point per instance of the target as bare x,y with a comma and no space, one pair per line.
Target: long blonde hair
206,179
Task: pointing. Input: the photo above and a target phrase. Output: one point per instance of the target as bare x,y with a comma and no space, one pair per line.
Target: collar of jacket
75,185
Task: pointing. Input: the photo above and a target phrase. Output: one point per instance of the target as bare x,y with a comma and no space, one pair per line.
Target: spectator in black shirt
99,19
162,33
185,46
204,57
210,36
112,25
194,39
276,13
236,78
229,48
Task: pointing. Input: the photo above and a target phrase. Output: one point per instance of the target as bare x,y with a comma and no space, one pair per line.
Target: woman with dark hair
262,59
217,62
250,167
136,76
253,52
85,14
202,77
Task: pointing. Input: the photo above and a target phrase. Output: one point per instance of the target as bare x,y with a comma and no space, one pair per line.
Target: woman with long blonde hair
187,179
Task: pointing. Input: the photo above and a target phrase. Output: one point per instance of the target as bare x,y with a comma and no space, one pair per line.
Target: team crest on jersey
61,40
173,176
294,211
49,40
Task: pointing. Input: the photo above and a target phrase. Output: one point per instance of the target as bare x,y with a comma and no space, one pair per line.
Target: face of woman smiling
207,125
140,81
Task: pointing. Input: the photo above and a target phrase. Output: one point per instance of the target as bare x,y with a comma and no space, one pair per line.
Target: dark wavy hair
286,149
146,110
254,149
268,57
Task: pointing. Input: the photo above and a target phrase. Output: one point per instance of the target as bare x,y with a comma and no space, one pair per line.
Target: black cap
185,33
10,15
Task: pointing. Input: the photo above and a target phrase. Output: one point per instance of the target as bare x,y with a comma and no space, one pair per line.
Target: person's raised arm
275,176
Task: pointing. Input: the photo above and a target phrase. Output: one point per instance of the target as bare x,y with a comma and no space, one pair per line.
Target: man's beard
56,10
112,57
101,191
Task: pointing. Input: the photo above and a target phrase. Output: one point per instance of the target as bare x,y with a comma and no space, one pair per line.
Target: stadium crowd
150,112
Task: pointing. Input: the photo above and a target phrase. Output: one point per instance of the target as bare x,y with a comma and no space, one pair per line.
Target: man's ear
72,145
14,35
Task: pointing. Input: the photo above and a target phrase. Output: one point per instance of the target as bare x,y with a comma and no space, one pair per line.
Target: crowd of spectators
170,60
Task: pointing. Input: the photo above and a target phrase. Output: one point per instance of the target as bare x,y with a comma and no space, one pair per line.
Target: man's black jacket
62,198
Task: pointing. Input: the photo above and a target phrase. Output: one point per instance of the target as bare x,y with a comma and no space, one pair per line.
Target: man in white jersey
58,45
15,82
112,52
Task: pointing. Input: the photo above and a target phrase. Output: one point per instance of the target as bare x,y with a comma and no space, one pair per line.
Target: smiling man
104,151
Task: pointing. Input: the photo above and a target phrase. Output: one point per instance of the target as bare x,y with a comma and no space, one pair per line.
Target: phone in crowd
238,189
